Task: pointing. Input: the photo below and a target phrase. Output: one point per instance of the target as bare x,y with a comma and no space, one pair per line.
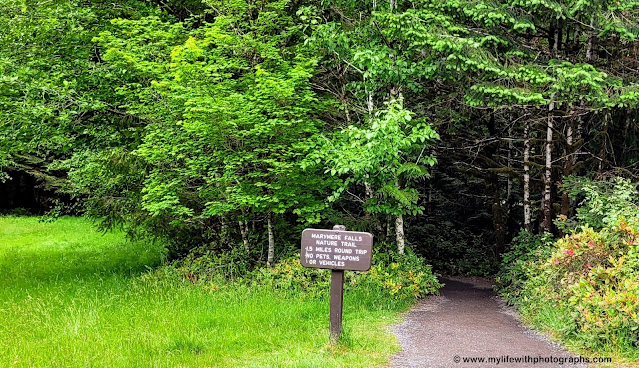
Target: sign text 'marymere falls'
336,250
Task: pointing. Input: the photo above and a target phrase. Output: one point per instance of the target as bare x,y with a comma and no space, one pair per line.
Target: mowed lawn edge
74,297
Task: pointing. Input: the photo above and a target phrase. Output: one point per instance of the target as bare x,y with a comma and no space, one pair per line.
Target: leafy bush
603,202
401,275
586,286
398,276
519,263
207,264
288,274
593,276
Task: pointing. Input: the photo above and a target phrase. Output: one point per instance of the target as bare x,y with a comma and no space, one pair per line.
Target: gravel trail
468,321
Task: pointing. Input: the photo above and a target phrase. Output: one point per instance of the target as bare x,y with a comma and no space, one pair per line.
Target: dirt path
468,321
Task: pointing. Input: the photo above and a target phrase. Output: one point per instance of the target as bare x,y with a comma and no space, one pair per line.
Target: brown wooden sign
336,249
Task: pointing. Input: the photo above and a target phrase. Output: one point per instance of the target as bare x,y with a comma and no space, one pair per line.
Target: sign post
337,250
337,302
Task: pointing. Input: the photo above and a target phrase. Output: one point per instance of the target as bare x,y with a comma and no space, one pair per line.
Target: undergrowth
397,276
583,287
74,297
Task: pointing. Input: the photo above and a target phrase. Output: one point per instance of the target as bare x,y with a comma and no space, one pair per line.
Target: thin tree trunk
550,36
527,175
627,137
566,206
602,150
509,185
557,38
430,196
580,132
591,50
574,42
546,225
244,231
367,215
271,240
399,233
498,215
560,34
224,230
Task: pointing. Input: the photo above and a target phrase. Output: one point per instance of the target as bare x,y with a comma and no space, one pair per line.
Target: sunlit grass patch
74,297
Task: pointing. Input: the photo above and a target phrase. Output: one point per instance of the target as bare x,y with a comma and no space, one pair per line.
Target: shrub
401,276
397,276
290,275
594,276
519,264
207,264
585,286
603,202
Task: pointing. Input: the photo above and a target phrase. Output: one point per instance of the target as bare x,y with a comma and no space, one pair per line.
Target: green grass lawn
74,297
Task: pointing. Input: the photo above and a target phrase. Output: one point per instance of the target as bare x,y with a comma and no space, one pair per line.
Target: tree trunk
527,175
498,215
369,219
509,185
569,152
399,233
224,230
546,224
271,240
244,231
591,50
602,150
580,133
550,36
559,35
556,46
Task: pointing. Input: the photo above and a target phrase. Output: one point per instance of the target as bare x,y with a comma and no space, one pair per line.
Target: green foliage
592,276
589,276
519,264
203,263
183,119
230,120
289,275
55,94
403,277
73,297
494,57
603,203
380,156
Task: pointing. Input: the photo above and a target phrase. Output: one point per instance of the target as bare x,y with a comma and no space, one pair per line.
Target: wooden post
337,301
337,297
337,250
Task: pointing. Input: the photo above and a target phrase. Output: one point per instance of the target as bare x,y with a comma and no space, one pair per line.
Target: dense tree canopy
234,124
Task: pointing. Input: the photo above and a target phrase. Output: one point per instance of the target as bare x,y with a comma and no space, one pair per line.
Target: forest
488,138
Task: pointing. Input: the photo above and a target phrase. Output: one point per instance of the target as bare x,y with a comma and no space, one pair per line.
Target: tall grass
73,297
